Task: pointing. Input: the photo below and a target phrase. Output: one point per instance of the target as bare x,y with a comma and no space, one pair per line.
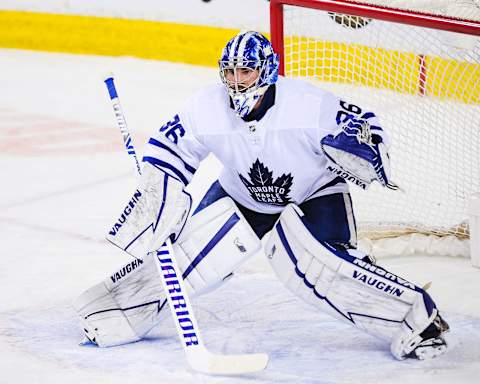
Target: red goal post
419,70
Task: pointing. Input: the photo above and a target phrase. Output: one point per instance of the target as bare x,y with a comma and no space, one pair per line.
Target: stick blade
227,364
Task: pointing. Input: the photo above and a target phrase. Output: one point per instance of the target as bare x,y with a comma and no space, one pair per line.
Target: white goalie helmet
247,67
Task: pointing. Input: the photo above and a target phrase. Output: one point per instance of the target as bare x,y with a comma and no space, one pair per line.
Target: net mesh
460,9
424,84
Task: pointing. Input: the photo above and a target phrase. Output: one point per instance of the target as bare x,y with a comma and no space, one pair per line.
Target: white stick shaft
122,123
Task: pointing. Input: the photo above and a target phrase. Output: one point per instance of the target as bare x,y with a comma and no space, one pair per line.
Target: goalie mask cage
417,66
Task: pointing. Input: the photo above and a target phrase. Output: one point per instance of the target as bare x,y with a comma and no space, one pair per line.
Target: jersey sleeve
175,149
339,114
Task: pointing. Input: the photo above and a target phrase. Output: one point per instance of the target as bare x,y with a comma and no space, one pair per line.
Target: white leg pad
128,304
214,243
345,286
125,306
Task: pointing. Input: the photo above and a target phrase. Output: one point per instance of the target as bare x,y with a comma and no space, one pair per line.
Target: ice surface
64,175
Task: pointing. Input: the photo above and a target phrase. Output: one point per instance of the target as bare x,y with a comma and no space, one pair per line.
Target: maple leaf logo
264,189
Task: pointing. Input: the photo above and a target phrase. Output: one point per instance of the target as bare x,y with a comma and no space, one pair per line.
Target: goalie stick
198,356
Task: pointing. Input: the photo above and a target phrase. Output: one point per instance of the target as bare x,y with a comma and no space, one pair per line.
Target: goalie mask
247,67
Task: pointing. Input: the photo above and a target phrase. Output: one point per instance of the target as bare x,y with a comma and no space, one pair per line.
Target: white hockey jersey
266,164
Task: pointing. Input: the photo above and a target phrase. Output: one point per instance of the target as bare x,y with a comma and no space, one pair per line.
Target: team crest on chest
264,189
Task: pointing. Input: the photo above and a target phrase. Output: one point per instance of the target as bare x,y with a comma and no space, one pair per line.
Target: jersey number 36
173,130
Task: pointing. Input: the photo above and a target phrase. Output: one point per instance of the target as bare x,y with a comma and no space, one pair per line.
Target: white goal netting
424,84
461,9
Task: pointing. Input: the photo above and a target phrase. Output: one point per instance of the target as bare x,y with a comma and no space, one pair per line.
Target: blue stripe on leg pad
212,243
348,315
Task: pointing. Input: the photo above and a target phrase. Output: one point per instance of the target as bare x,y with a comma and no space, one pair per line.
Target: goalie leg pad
215,241
124,307
128,304
347,287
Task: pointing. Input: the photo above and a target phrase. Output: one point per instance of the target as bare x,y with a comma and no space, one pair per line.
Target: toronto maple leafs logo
263,189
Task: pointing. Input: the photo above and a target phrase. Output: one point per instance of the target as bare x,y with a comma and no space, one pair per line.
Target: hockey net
416,64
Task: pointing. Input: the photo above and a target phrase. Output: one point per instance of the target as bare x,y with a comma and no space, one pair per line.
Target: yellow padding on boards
193,44
454,80
403,72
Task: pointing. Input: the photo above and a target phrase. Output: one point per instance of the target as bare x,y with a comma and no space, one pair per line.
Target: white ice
64,176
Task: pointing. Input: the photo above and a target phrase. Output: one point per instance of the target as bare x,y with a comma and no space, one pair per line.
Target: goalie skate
430,343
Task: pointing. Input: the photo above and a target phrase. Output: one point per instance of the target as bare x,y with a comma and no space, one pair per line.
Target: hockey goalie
288,150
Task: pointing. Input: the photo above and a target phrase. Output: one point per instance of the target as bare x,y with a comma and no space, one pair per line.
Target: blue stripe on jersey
212,243
163,164
159,144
